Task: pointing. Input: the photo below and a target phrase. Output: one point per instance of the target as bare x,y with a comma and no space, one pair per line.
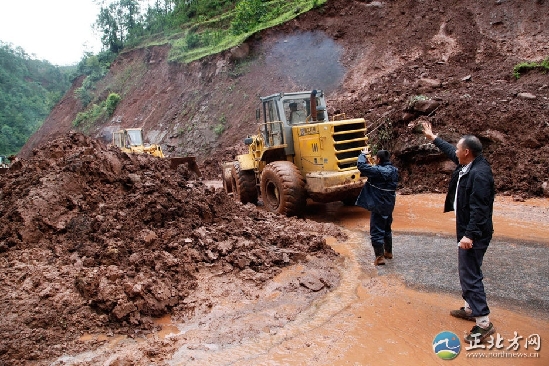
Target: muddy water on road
422,213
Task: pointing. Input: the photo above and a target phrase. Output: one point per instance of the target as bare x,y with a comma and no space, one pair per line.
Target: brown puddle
168,328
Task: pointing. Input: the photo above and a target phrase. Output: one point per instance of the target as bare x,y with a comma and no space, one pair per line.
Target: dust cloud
308,59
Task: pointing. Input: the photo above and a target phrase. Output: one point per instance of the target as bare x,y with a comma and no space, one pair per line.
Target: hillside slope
393,63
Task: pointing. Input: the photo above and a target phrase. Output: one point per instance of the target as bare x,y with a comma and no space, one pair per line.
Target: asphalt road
516,274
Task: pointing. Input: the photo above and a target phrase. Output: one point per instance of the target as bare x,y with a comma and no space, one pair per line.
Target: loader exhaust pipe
313,106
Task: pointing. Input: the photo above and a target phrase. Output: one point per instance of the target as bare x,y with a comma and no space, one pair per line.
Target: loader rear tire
283,188
243,185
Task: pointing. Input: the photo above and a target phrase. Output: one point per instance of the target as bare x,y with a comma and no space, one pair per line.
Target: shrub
192,40
248,14
219,128
90,115
112,102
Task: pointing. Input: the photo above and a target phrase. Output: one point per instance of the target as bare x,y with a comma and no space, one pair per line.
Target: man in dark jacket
378,196
471,196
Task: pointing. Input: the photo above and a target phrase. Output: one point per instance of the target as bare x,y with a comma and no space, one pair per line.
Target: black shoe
479,334
462,314
380,261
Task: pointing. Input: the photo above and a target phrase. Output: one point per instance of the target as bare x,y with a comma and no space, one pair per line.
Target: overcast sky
59,31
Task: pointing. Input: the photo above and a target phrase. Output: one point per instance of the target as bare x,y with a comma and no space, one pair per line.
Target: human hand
465,243
428,130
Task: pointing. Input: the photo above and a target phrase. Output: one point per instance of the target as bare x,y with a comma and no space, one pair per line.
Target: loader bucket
189,160
3,170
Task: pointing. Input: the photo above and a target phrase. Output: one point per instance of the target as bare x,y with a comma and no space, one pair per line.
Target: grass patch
524,67
97,112
220,127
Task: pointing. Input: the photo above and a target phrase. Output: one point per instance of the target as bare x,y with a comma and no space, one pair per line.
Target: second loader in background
5,163
130,140
298,153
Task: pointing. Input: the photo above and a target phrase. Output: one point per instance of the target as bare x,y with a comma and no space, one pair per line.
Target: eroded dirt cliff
389,62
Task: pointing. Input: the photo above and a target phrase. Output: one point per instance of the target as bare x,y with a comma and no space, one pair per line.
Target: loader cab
128,138
281,111
295,108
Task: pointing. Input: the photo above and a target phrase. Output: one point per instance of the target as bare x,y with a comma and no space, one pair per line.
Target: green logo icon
446,345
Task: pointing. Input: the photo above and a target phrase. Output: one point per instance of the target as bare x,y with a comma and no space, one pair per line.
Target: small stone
526,96
545,188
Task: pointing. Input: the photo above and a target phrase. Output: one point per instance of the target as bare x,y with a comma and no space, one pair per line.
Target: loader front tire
243,185
227,179
283,188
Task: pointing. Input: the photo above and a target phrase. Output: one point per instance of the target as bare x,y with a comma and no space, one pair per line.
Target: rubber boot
380,260
388,247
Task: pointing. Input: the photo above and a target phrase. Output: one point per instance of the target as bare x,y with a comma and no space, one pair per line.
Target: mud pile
93,240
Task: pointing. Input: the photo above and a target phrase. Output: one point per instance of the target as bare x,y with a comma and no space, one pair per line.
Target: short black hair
472,143
383,156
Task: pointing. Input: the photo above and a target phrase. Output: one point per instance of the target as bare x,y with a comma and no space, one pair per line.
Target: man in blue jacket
379,196
471,196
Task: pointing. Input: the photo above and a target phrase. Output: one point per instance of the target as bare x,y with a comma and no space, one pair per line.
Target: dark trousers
470,277
380,229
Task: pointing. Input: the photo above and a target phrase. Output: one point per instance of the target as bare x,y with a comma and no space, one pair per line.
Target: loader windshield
134,138
296,111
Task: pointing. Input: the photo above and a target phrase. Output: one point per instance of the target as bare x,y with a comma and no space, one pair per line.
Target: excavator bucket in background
189,160
130,140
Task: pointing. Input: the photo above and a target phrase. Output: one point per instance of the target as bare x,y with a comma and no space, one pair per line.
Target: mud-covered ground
96,241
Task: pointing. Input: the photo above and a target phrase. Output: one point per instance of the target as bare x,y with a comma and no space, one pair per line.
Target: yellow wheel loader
130,141
298,153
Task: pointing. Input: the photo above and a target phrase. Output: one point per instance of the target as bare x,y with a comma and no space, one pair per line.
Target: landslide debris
93,240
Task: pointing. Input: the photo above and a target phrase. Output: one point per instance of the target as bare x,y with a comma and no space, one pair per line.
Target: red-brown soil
97,241
103,255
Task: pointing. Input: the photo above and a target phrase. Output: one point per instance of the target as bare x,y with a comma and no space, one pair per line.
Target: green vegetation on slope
233,27
193,28
29,89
